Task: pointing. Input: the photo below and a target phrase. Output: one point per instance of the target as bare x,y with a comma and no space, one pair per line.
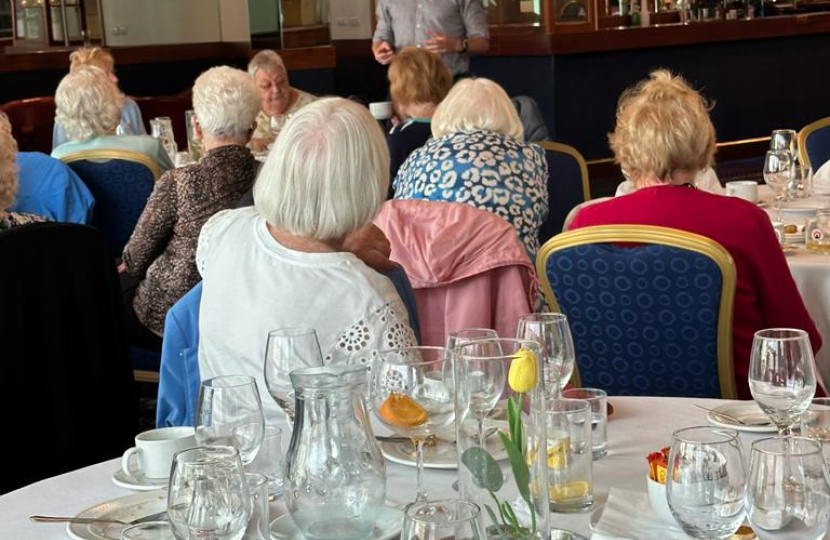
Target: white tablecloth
811,273
637,427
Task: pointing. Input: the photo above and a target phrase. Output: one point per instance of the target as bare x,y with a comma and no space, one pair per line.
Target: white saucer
136,480
388,521
747,411
441,455
129,508
804,206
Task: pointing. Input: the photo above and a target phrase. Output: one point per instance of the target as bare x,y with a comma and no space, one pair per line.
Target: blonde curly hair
663,126
91,56
88,104
8,163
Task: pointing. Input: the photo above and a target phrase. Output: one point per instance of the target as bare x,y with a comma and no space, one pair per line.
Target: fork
77,519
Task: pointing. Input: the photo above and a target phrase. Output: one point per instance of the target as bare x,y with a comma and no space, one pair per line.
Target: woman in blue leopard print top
477,157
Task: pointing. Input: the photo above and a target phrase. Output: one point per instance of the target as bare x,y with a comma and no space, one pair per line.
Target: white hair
88,104
477,104
266,60
226,101
328,172
8,163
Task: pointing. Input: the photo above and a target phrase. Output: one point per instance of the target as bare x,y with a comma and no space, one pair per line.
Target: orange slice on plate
401,410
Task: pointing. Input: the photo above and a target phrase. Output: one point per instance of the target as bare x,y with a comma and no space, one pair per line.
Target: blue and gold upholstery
567,185
814,143
650,308
121,181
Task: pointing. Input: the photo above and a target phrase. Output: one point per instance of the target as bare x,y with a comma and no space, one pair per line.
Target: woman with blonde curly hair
131,121
8,180
662,139
478,157
418,82
89,109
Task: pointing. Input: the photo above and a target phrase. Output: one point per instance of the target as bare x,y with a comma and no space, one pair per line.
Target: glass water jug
335,477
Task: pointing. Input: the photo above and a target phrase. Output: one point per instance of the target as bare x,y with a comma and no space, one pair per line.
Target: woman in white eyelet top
281,264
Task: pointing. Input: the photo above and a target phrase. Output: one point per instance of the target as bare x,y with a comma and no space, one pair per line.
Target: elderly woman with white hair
282,263
8,180
131,122
477,156
158,264
279,99
89,109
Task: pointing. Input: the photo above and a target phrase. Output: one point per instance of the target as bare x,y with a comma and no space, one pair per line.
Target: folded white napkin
628,516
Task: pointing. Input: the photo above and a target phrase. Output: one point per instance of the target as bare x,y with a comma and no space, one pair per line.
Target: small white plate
748,411
442,455
388,521
804,206
136,480
129,508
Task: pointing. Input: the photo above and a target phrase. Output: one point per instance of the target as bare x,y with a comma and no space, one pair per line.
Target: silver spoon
77,519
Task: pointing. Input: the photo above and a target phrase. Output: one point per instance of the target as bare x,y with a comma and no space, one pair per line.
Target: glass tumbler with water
817,233
706,490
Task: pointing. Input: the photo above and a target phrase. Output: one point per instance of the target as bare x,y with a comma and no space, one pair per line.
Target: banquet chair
70,399
32,120
650,308
814,143
567,185
179,378
121,181
467,266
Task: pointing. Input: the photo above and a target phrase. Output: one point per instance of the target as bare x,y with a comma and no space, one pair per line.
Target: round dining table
637,426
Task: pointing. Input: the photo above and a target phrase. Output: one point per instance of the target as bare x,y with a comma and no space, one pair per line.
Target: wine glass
229,413
705,488
782,379
208,495
785,139
287,350
467,335
552,333
440,520
413,393
787,494
778,165
486,378
815,424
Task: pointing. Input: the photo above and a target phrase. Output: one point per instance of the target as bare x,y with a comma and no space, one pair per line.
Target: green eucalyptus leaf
517,463
485,470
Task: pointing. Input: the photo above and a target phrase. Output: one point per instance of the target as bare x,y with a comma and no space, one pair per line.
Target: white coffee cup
381,110
745,189
155,449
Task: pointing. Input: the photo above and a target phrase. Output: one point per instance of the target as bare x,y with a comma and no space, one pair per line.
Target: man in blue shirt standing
452,29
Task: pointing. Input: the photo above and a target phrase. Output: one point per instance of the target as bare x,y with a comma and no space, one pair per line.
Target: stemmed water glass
782,379
785,139
413,393
787,494
705,487
778,172
229,413
440,520
288,349
552,333
462,337
208,495
486,377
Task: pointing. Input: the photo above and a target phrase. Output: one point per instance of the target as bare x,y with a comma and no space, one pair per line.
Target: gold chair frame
803,156
648,234
574,153
108,154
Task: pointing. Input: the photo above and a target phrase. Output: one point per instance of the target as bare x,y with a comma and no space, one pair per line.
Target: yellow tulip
522,375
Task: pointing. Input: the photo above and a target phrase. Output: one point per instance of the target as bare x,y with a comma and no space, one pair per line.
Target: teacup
381,110
745,189
155,449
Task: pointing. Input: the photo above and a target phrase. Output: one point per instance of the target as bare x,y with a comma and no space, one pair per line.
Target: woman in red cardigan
663,137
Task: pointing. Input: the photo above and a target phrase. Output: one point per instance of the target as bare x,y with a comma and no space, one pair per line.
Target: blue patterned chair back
814,143
650,308
567,186
121,182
